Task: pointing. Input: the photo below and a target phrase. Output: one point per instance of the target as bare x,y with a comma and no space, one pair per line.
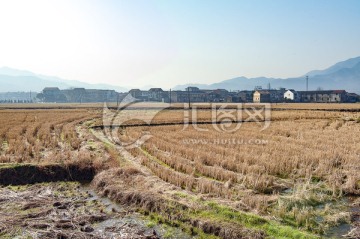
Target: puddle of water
130,220
350,204
338,231
343,229
104,200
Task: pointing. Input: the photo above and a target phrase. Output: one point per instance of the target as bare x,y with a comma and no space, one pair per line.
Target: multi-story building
269,96
324,96
246,96
52,94
157,94
186,96
261,96
352,98
219,95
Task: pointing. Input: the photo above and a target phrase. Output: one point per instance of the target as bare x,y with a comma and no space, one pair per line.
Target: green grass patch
156,219
20,188
181,194
16,233
219,213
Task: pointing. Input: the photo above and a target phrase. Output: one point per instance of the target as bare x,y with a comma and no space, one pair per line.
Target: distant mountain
13,80
348,64
343,75
147,87
15,72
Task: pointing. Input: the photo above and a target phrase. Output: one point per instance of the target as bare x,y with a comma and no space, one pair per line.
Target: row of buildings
319,96
194,94
77,95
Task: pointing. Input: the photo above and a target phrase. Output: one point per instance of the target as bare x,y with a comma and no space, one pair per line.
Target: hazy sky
170,42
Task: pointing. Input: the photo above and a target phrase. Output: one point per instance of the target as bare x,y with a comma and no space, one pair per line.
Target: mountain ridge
13,80
342,75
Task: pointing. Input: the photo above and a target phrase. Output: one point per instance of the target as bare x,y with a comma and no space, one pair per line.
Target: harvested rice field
288,171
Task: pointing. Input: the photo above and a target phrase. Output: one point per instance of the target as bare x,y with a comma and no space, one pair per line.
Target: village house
136,93
324,96
352,97
52,94
261,96
292,95
157,94
193,94
245,96
74,95
141,95
218,95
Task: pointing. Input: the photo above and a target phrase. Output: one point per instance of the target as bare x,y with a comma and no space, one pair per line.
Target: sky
137,43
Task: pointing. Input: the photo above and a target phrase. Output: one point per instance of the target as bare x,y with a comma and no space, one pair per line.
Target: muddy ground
354,232
67,210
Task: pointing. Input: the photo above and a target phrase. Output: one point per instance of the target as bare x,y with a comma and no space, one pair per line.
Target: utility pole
188,90
30,97
307,83
170,97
